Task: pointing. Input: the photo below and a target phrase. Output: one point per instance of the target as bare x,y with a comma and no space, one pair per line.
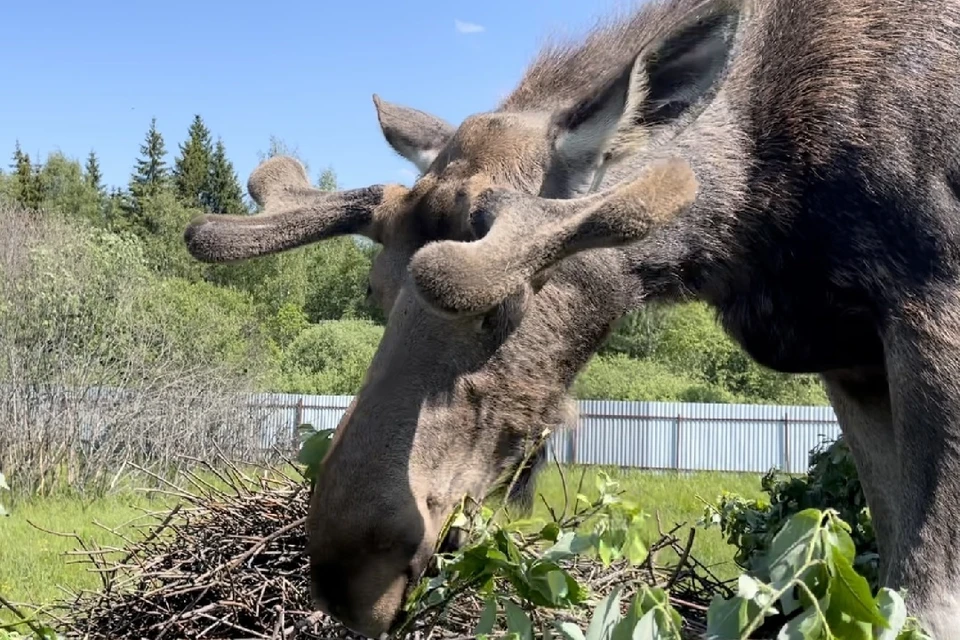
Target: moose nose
365,604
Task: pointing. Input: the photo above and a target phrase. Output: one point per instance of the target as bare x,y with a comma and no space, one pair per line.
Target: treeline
113,273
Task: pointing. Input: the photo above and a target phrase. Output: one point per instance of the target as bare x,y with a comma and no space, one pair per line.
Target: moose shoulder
794,164
826,231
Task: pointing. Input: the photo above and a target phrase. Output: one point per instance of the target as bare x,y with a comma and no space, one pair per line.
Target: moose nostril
480,222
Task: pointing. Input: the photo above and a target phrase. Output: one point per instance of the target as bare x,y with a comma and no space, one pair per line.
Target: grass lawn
33,569
674,497
32,565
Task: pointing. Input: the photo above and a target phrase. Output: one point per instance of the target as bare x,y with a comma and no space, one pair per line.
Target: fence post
297,421
676,459
786,442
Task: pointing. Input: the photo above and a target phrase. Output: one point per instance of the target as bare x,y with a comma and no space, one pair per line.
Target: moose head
467,376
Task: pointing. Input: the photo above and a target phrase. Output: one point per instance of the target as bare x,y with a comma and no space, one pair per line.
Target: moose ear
414,134
671,75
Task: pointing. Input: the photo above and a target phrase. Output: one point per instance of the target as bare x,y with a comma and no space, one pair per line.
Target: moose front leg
861,400
923,364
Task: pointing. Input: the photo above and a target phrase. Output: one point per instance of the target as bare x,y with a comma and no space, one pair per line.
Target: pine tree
152,174
192,169
26,180
92,172
225,195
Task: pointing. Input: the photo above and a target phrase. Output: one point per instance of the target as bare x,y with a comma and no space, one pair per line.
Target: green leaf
508,546
892,608
605,616
850,593
843,626
551,531
570,631
836,536
789,549
806,626
488,617
314,449
747,587
605,552
624,629
726,619
646,628
517,621
570,544
635,550
557,582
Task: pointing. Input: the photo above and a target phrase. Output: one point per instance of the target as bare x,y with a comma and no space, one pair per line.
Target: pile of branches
229,562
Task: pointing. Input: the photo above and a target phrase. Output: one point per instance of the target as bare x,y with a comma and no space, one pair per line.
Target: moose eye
487,322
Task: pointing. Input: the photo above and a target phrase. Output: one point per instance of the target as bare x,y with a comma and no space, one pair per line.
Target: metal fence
648,435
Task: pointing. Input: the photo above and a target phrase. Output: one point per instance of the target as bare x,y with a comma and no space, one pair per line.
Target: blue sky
90,75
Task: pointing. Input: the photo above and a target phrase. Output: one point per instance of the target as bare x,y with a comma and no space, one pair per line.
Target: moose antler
295,213
529,234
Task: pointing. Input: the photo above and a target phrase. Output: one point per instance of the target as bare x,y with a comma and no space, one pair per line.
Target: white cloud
468,27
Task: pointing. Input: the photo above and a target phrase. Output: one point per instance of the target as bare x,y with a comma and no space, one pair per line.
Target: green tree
338,271
151,175
327,180
92,173
26,188
637,333
191,170
330,357
65,189
225,195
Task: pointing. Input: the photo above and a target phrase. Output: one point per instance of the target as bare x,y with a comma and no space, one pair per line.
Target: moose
795,165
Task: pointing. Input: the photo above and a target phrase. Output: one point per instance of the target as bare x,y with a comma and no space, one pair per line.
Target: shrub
330,358
103,363
619,377
830,483
522,570
198,322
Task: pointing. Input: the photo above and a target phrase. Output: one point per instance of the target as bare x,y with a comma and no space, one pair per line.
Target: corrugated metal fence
649,435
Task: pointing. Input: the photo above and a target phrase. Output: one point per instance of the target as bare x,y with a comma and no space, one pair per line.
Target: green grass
32,565
33,568
674,497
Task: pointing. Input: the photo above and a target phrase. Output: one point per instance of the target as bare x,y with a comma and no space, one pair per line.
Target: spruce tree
152,174
92,173
26,180
225,195
192,169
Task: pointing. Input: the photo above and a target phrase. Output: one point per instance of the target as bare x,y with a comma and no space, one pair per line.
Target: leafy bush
197,322
330,358
830,483
810,589
620,377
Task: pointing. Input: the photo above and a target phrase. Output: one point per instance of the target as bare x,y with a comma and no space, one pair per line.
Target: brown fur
825,232
531,234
